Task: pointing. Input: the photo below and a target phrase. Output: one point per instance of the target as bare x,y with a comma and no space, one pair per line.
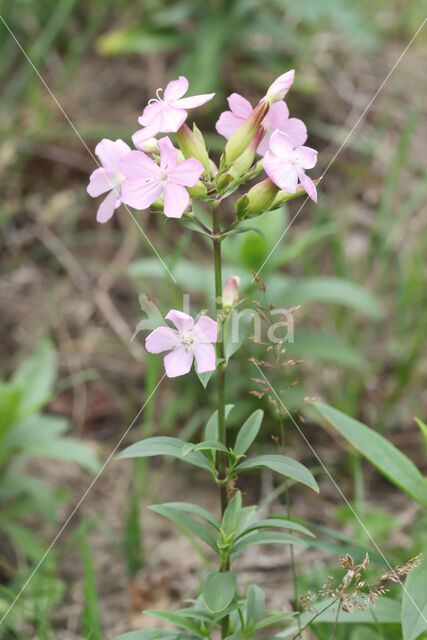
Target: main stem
222,435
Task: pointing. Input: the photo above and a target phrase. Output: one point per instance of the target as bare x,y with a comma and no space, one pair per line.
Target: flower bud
242,138
241,165
192,145
148,146
257,200
280,87
230,294
285,196
198,191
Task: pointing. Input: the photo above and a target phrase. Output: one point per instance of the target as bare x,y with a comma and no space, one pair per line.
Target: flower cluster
158,174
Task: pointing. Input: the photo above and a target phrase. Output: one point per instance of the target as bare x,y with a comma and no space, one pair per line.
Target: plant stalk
222,435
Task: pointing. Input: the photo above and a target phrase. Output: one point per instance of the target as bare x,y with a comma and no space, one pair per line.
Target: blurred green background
355,262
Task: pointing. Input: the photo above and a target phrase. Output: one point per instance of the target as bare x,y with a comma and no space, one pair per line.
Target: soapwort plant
160,176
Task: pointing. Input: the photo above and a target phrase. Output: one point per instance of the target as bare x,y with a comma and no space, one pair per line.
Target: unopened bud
147,146
242,138
192,145
198,191
284,196
280,87
241,165
257,200
230,294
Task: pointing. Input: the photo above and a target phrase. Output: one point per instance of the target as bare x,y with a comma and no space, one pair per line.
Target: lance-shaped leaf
186,522
195,510
266,537
248,432
177,619
275,522
380,452
218,590
281,464
414,603
165,446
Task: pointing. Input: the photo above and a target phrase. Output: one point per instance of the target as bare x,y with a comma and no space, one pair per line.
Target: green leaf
281,464
10,398
67,449
138,40
255,603
175,618
324,289
276,522
414,602
155,634
273,619
316,345
211,431
34,429
237,328
186,522
195,510
205,377
266,537
36,377
165,446
385,611
218,590
248,432
231,515
392,463
210,445
423,428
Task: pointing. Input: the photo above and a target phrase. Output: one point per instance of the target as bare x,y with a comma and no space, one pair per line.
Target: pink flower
108,177
280,86
167,114
146,181
186,342
284,164
276,118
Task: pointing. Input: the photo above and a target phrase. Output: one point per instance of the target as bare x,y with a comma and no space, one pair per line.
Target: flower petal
281,145
228,123
308,185
182,321
140,193
107,207
205,357
176,199
277,115
283,174
150,131
193,101
296,130
205,330
161,339
168,154
187,172
100,181
172,119
306,157
110,151
239,105
136,164
176,89
178,362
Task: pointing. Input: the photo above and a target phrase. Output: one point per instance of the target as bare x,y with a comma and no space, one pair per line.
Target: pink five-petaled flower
186,342
167,114
146,181
276,118
108,177
284,164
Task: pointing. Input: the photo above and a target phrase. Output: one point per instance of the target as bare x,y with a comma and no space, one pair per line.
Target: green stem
319,613
222,435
